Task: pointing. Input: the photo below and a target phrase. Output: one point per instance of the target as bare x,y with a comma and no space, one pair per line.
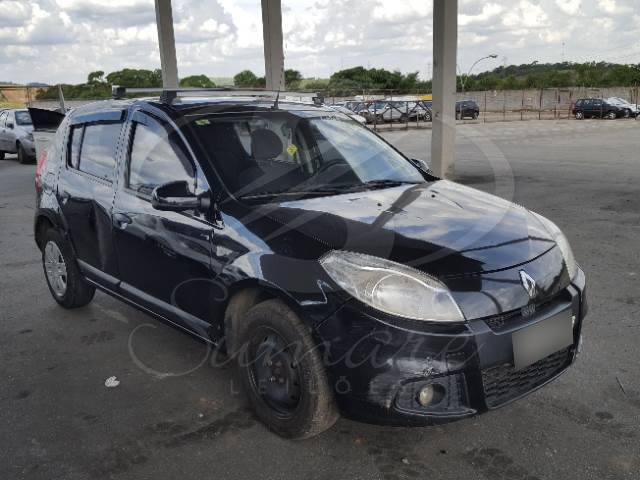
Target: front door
164,258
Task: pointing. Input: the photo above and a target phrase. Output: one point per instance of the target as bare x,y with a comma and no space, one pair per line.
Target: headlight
563,244
392,287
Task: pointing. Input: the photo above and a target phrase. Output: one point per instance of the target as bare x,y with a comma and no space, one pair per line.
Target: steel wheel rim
55,268
274,373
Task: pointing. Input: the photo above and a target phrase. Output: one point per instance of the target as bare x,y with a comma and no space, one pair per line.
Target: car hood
441,227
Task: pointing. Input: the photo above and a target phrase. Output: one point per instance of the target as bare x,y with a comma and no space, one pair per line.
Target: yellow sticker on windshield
202,121
292,149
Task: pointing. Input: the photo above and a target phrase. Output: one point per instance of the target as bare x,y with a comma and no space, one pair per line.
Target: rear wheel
475,115
579,115
1,155
64,279
610,115
427,117
283,373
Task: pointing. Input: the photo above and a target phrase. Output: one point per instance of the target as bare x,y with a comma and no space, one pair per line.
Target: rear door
164,258
86,190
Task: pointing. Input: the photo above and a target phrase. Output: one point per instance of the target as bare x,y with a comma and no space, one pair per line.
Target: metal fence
499,105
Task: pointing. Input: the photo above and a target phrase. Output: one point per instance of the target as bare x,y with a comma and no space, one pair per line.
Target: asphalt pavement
60,421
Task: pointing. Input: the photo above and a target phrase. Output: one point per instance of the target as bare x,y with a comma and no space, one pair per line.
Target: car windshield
23,118
269,154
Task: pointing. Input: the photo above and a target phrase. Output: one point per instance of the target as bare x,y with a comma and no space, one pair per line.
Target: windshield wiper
370,185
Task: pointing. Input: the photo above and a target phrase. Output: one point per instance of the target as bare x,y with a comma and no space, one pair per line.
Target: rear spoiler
45,120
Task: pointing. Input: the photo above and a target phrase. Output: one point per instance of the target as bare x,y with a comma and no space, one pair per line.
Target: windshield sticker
202,121
292,149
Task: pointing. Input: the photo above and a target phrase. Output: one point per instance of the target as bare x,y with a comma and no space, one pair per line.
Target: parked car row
610,108
16,134
381,111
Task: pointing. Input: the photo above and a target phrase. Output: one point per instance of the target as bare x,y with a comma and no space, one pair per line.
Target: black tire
475,115
458,116
610,115
627,113
1,155
579,115
427,117
295,371
23,158
78,292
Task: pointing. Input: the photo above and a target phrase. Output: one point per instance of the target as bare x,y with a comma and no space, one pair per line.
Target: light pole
462,83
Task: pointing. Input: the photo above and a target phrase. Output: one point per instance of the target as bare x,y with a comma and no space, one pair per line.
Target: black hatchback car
341,275
596,108
467,109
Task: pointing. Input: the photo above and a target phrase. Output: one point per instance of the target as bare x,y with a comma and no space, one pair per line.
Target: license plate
542,339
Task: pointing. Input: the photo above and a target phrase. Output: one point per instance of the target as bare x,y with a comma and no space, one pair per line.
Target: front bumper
377,368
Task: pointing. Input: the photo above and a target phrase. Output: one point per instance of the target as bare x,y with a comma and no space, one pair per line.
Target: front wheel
610,115
475,115
579,115
64,279
1,155
283,373
22,155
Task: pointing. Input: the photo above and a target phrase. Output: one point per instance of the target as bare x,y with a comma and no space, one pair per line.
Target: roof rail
169,95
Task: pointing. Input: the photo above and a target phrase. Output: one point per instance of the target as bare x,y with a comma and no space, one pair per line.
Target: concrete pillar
167,44
273,51
445,46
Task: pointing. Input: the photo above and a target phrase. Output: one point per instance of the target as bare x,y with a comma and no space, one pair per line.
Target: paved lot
60,421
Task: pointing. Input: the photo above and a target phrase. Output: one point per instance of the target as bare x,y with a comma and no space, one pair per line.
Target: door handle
121,220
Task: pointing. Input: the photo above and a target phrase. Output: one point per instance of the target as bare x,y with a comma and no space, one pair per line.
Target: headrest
265,144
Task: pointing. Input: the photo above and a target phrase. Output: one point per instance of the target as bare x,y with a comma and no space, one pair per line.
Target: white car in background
346,111
631,109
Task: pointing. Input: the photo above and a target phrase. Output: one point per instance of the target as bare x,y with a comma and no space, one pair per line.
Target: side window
98,151
2,117
156,158
93,149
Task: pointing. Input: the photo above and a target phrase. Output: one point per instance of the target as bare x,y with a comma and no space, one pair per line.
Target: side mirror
10,125
423,166
176,197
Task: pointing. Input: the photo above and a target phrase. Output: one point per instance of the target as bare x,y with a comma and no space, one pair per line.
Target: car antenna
275,103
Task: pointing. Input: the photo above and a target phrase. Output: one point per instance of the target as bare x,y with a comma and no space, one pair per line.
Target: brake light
41,161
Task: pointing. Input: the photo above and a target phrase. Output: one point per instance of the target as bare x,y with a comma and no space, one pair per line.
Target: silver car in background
630,109
349,113
16,135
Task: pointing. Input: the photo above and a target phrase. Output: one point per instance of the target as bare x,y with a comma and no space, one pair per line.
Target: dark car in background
467,109
596,108
342,276
16,135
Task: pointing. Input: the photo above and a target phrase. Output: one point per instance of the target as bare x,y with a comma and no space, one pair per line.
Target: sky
61,41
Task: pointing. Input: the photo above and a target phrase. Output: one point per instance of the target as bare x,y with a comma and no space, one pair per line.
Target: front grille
504,383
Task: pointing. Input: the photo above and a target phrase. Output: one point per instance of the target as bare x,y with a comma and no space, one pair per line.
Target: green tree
292,78
136,78
246,78
197,81
95,77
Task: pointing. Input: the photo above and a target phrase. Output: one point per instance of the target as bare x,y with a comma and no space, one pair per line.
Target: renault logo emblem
528,283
